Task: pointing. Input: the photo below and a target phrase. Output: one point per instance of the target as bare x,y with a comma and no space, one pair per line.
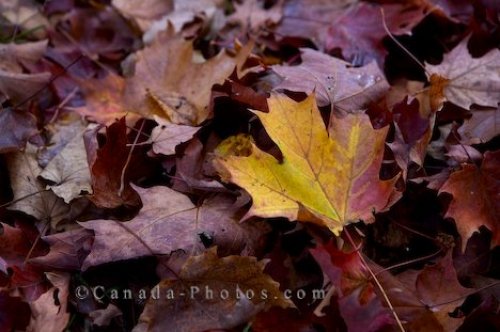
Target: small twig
379,285
129,157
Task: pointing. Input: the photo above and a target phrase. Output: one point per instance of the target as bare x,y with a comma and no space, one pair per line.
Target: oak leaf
331,177
476,193
236,275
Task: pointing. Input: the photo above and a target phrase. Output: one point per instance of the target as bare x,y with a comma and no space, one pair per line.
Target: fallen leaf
16,127
330,176
475,201
30,195
15,84
252,15
242,278
68,172
166,136
465,80
167,82
49,311
104,100
103,317
145,12
481,127
68,250
169,221
335,81
14,313
107,167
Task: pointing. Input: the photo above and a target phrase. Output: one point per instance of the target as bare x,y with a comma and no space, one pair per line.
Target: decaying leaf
465,80
15,84
169,83
335,81
49,311
104,100
68,172
30,195
476,193
327,176
252,15
169,221
239,286
166,136
481,127
16,127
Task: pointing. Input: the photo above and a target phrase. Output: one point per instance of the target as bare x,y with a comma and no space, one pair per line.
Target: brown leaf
252,15
335,81
68,172
167,82
466,80
238,276
30,194
104,100
168,221
67,250
14,83
476,200
145,12
16,127
481,127
166,136
49,311
107,168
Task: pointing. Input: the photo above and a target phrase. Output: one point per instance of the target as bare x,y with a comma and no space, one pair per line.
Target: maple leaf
422,299
200,312
166,136
49,311
107,164
14,313
30,195
354,26
16,127
67,250
252,15
15,84
145,12
335,81
168,83
332,175
169,221
68,172
104,100
481,127
475,201
464,80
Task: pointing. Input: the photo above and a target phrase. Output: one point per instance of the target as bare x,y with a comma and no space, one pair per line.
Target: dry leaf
332,175
335,81
465,80
166,136
167,82
202,313
169,221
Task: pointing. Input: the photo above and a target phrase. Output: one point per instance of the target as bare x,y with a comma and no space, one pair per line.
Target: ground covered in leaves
256,165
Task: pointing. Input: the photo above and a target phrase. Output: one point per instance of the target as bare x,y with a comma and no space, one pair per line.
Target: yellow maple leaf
330,177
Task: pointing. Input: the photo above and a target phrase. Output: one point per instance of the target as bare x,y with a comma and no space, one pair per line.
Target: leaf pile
249,165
